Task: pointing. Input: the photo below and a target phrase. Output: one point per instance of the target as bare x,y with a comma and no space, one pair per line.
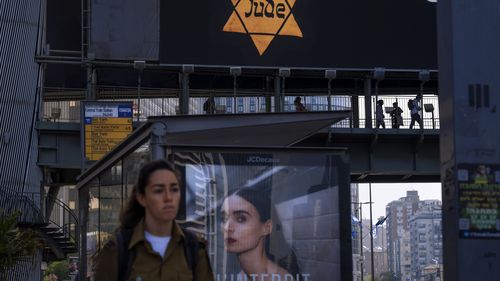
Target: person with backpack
396,118
415,108
149,244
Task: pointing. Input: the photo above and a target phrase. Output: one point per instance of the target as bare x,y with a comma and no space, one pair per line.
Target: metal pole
368,102
330,95
234,93
282,96
138,95
277,94
361,239
157,141
371,232
83,203
184,101
433,120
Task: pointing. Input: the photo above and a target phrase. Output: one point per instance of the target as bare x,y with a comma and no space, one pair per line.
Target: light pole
361,234
139,65
330,74
371,233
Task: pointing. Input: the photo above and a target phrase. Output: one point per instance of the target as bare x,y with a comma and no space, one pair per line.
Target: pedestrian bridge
377,155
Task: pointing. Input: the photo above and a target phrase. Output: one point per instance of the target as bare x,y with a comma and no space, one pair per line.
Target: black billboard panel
362,34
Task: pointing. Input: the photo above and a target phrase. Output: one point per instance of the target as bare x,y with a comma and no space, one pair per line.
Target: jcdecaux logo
263,20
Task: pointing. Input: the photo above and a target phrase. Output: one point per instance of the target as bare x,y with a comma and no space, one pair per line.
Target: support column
368,102
355,106
91,94
184,98
157,141
83,210
268,93
277,94
469,63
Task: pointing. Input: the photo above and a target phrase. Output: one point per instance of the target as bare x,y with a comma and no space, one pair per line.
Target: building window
72,204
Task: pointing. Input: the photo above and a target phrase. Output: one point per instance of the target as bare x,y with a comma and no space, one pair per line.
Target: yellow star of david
263,20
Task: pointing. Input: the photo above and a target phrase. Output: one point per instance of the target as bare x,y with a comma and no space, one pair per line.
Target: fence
168,104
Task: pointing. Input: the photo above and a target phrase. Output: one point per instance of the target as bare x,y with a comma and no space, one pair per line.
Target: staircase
53,221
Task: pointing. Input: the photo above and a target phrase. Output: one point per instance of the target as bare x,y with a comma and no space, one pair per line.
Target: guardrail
69,110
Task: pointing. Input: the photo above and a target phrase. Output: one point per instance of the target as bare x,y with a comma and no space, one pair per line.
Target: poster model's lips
230,240
263,20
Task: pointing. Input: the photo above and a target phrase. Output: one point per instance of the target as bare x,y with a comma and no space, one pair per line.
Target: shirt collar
138,233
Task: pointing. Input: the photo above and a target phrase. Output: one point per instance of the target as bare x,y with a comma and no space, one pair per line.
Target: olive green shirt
148,264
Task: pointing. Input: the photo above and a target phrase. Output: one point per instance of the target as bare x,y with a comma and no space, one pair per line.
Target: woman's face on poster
241,225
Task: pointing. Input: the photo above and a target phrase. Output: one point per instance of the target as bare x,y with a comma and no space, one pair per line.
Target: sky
383,193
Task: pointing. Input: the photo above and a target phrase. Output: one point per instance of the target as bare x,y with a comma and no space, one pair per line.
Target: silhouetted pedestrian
299,107
209,105
396,118
415,112
379,114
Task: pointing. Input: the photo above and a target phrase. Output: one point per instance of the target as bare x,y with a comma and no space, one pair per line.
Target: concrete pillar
469,64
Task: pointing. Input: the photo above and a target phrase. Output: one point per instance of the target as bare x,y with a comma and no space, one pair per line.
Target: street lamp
361,233
139,65
330,74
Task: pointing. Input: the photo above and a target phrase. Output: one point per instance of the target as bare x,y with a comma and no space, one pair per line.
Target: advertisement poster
269,216
479,201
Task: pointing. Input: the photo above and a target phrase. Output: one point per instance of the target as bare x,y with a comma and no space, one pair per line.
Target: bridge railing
164,102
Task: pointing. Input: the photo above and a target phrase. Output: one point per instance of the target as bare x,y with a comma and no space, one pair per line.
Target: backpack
126,258
410,104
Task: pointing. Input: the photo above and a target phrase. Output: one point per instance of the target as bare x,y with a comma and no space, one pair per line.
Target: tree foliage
16,244
60,269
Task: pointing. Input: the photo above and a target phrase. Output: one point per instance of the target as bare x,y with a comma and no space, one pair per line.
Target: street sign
105,125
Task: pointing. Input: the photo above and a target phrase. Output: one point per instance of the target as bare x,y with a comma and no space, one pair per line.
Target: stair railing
35,209
27,207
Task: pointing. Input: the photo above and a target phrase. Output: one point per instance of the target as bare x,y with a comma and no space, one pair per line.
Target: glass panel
110,201
132,163
92,222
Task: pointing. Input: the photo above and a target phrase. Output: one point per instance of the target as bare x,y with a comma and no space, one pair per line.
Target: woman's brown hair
133,211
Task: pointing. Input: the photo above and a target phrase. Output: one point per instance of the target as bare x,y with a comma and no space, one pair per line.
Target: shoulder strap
191,248
125,257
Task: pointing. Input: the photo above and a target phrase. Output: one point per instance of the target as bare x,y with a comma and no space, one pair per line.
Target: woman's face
241,225
161,197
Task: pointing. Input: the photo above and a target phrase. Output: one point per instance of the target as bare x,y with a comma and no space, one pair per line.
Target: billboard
360,34
288,209
105,125
297,33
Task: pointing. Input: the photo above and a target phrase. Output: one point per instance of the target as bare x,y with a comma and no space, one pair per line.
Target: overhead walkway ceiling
376,156
386,155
